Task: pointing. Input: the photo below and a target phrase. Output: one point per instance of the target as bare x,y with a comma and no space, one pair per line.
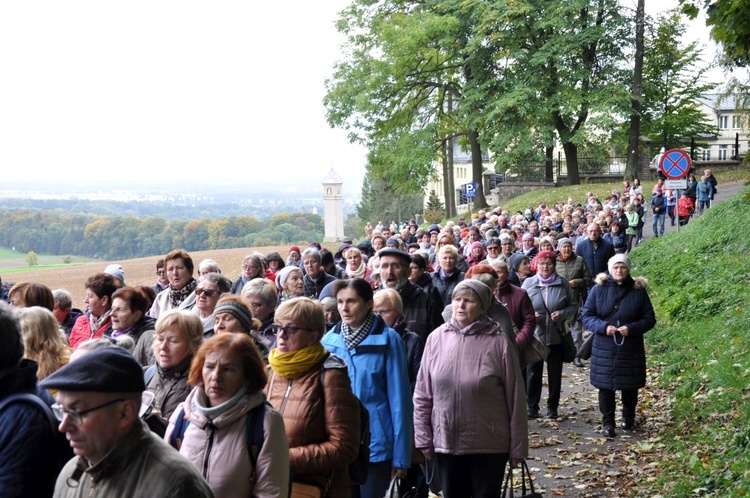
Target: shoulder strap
254,432
149,374
178,432
33,400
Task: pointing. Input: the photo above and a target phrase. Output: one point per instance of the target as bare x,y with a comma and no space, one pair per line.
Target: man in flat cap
421,310
117,455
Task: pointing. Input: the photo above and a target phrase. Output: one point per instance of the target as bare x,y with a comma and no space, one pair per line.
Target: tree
557,68
32,259
673,84
730,27
378,201
433,212
634,138
404,60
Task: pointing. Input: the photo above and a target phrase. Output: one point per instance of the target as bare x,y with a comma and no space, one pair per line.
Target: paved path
570,457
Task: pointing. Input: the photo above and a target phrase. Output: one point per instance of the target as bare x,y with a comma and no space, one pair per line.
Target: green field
12,262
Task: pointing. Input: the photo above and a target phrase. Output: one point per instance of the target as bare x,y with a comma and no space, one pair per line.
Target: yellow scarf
293,364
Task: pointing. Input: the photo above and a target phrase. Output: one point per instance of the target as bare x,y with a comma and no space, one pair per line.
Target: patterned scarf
358,273
176,297
352,337
96,324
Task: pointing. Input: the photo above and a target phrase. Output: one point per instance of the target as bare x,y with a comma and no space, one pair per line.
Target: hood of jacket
637,282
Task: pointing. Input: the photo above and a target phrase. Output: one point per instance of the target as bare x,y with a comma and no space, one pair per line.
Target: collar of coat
638,282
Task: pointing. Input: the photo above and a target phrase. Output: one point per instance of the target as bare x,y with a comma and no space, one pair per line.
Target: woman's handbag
525,476
569,347
584,352
300,490
399,488
535,351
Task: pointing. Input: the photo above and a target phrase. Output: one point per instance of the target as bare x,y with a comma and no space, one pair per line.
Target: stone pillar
333,208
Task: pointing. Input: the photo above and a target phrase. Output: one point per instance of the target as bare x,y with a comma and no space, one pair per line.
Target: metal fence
532,172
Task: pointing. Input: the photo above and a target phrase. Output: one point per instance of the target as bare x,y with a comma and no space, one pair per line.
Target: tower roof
332,178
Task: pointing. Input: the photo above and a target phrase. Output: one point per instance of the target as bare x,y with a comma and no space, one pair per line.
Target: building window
706,154
736,122
722,153
723,122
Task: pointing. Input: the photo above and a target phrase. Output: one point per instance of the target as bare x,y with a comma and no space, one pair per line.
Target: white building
733,128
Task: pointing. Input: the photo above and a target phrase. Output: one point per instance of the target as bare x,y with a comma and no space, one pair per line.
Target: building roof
717,102
333,178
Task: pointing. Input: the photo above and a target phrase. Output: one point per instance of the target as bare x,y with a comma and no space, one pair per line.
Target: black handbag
584,352
525,477
568,346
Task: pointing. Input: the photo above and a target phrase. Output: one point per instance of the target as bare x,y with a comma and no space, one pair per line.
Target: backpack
253,432
358,468
61,448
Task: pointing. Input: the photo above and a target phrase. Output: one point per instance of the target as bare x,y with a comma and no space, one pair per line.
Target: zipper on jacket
210,446
286,397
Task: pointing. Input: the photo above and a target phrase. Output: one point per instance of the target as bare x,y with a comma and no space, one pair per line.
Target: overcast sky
165,89
144,88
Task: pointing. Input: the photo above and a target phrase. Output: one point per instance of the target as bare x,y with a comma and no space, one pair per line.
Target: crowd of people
203,386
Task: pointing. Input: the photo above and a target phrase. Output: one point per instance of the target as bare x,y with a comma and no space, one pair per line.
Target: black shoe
609,431
578,362
627,424
532,413
552,413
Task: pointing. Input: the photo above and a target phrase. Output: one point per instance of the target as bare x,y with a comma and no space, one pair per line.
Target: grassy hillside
699,284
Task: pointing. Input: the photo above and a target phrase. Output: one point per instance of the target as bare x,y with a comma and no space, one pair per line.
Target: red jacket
82,332
685,207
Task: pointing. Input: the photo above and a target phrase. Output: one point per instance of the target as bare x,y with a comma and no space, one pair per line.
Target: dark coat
414,349
27,464
613,367
314,286
445,287
421,310
596,259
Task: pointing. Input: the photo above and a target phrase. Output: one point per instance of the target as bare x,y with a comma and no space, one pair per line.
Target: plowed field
137,271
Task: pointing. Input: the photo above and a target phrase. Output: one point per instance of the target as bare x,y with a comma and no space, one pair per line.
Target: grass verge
700,287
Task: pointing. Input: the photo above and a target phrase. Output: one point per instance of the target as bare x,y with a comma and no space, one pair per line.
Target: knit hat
527,236
618,258
546,255
282,276
237,311
477,244
295,248
116,271
506,238
481,290
564,240
547,239
516,259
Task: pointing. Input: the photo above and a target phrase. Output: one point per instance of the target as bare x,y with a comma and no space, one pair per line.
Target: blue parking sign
470,189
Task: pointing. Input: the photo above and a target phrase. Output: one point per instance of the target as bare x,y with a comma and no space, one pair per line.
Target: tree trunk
477,168
571,159
549,168
448,194
632,168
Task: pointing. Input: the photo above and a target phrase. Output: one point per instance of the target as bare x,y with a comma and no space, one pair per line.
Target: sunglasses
207,292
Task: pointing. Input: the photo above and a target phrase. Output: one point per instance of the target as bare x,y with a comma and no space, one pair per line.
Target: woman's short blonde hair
391,296
186,322
304,312
448,248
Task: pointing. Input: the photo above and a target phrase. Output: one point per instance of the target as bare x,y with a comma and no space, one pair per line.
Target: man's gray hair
11,338
63,299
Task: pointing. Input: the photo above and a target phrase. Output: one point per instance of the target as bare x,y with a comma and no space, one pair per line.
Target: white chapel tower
333,207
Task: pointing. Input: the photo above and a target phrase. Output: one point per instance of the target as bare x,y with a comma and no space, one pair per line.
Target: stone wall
506,191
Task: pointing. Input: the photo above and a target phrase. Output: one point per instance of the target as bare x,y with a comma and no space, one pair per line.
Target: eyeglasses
289,330
207,292
493,248
382,312
160,272
76,417
394,266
